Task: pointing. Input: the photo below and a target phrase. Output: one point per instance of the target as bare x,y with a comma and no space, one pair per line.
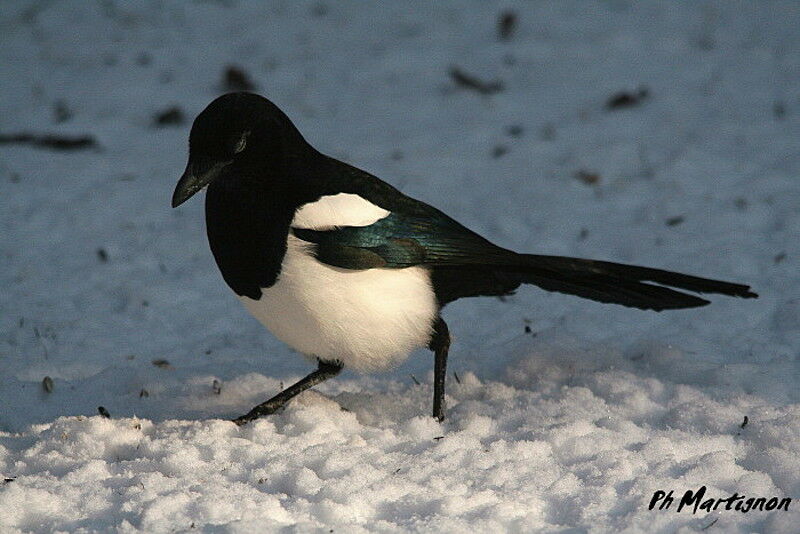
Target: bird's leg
440,345
325,371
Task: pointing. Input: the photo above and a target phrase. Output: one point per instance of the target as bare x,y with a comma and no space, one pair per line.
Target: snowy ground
570,427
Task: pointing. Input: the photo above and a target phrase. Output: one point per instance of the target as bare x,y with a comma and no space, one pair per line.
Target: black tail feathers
628,285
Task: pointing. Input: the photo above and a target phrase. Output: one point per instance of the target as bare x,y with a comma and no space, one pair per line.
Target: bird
350,272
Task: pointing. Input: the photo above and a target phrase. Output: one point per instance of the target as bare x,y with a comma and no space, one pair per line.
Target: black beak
193,180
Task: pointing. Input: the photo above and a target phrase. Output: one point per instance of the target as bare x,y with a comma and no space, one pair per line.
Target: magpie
350,272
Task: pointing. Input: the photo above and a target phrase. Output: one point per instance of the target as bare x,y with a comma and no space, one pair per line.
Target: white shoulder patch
344,209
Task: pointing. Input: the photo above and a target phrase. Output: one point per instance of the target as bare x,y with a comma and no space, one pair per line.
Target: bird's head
234,128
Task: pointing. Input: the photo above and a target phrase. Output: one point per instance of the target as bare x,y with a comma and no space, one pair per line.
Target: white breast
369,320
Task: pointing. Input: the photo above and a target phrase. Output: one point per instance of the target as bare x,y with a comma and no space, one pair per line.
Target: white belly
368,320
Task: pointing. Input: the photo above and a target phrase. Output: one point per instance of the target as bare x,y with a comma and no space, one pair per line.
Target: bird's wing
398,241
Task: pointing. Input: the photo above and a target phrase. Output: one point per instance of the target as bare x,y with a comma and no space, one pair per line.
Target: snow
570,427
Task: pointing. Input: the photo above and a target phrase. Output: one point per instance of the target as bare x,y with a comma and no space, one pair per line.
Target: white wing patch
344,209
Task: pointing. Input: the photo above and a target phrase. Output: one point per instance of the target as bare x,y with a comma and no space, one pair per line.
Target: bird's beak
195,178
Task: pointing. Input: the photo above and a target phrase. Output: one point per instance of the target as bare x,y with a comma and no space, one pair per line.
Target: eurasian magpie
350,272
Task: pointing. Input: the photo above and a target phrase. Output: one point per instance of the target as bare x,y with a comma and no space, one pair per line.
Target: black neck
248,213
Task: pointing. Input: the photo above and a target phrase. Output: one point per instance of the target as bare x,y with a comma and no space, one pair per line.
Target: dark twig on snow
236,79
588,177
55,142
627,99
169,116
61,112
468,81
506,24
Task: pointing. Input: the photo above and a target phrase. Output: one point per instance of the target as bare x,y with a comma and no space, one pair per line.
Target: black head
236,128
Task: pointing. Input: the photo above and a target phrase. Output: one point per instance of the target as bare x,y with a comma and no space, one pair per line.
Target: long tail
628,285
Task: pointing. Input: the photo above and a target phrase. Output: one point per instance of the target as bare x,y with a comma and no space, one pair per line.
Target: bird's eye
241,143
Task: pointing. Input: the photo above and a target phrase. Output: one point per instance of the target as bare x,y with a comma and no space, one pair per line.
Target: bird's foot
262,410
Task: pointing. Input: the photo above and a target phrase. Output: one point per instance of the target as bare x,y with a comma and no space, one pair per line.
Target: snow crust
568,427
